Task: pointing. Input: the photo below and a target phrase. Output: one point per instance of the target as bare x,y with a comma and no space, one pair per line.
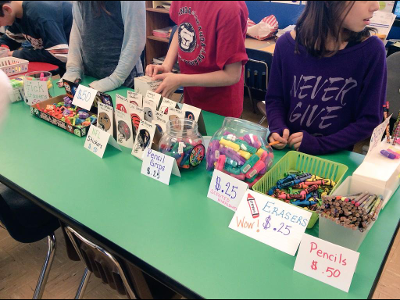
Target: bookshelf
156,18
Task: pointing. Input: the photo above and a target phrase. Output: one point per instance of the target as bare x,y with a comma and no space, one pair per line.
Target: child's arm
275,107
12,39
74,63
134,17
170,59
230,75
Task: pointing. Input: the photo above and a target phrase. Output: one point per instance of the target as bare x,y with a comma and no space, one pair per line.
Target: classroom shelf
160,39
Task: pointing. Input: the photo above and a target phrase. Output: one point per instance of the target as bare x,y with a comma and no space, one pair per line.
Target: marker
274,143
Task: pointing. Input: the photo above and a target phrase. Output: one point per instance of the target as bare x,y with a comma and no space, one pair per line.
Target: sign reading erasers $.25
226,190
84,97
326,262
97,141
271,221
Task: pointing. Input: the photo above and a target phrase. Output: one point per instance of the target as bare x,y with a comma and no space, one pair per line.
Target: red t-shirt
210,36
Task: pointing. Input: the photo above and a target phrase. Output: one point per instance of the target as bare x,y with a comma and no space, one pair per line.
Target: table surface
267,45
174,232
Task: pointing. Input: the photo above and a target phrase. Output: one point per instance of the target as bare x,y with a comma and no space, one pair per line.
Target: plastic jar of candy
240,149
183,141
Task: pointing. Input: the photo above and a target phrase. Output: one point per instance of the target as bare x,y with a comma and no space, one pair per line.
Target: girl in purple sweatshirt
327,85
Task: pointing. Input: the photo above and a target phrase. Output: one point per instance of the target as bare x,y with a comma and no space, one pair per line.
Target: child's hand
170,84
153,70
295,140
283,140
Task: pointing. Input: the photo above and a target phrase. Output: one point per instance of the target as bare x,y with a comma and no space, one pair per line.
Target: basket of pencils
302,180
347,216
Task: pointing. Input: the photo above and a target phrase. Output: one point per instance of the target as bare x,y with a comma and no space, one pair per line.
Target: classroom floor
20,265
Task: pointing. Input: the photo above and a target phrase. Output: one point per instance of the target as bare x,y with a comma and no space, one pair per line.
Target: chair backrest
120,274
101,263
393,83
257,69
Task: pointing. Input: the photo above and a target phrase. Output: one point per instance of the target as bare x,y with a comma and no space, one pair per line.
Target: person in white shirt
6,89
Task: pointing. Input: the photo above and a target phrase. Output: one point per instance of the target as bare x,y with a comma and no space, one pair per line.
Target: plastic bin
12,66
297,161
340,235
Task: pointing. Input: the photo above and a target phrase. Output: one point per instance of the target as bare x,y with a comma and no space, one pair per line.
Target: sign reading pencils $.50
271,221
326,262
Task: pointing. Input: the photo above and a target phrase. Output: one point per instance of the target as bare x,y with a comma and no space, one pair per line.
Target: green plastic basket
297,161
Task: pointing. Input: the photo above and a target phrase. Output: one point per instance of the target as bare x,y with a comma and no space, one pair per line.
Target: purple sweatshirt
335,101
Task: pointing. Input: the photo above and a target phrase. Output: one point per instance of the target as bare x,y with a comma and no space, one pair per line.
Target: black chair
257,73
28,223
122,276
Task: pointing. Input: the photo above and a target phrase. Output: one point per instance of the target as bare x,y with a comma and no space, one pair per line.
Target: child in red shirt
209,45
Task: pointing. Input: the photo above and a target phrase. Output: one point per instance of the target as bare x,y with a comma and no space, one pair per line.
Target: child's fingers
286,134
277,137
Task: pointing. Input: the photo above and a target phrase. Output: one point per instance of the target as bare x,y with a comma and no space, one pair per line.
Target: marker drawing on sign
253,206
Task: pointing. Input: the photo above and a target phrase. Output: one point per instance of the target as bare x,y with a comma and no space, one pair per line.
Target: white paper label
35,91
84,97
226,190
144,138
124,129
158,166
326,262
105,118
191,112
97,140
270,221
122,104
135,98
166,104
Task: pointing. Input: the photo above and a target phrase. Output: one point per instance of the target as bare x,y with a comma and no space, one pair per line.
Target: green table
174,232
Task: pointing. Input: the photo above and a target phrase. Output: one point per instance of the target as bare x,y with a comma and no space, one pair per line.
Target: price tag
159,166
35,91
271,221
226,190
326,262
97,140
84,97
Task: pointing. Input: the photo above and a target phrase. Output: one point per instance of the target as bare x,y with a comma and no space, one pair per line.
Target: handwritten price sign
226,190
270,221
84,97
326,262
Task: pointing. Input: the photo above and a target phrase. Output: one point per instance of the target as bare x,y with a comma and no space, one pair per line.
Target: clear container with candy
240,149
183,141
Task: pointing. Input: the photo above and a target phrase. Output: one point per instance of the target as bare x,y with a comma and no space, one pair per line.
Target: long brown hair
323,19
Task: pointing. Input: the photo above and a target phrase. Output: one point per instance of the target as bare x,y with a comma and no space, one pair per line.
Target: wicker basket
13,66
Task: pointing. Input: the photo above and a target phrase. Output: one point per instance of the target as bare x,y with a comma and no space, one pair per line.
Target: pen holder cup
337,234
239,149
183,141
38,87
297,161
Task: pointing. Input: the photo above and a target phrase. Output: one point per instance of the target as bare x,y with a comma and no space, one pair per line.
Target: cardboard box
340,235
144,84
81,132
380,172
